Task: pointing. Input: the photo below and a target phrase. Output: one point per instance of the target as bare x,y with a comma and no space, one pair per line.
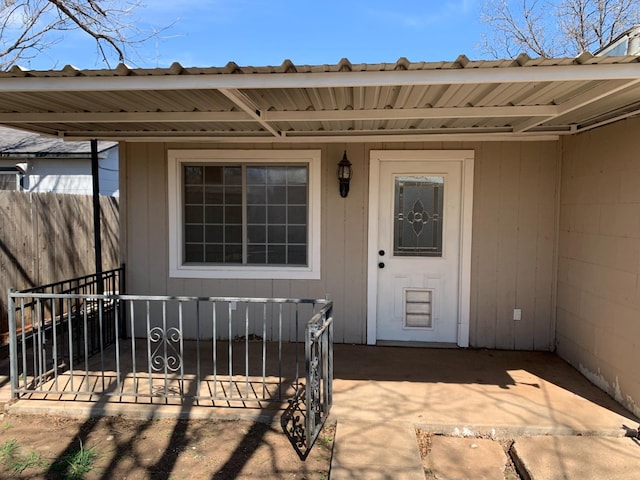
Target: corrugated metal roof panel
288,67
449,101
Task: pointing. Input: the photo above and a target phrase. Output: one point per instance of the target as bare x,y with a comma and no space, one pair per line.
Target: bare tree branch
551,28
94,26
29,27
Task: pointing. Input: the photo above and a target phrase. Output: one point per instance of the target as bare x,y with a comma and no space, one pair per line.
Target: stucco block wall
514,238
598,319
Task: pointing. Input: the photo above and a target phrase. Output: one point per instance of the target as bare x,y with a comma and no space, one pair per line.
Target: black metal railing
36,319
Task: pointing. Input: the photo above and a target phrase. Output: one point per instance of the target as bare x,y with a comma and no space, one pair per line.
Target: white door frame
466,157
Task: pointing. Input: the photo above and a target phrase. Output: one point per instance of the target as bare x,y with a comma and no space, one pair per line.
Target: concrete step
372,451
584,458
465,458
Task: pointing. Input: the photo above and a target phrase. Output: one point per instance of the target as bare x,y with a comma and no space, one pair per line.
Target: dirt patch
115,447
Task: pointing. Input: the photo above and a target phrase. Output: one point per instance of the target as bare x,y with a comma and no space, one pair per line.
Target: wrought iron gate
313,403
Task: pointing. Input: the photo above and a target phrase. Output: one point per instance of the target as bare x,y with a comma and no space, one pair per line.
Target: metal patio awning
519,99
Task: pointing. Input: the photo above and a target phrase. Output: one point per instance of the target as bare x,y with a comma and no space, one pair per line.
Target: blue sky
265,32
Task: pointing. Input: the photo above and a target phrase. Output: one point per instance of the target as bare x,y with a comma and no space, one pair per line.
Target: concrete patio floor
474,392
381,394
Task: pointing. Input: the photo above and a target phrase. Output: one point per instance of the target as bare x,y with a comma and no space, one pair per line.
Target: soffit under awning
524,99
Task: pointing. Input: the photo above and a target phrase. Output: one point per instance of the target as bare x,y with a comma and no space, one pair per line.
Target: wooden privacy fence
47,237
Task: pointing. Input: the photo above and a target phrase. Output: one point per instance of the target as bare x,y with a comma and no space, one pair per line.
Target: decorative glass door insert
418,216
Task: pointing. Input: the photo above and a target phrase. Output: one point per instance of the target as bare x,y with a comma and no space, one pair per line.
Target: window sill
243,272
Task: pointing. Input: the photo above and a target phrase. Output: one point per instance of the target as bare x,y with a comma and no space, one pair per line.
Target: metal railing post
310,419
123,311
13,345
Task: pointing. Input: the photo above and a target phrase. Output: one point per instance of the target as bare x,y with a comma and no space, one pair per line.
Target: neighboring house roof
50,164
627,43
524,98
20,144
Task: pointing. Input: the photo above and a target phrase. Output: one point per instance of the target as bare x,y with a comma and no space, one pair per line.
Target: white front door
417,247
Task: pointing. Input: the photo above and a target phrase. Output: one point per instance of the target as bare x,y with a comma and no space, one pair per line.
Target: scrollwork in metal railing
165,353
315,377
293,423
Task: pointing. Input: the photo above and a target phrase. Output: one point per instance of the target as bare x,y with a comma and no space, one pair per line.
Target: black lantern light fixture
345,173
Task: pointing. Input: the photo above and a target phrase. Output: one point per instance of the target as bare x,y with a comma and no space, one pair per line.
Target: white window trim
177,269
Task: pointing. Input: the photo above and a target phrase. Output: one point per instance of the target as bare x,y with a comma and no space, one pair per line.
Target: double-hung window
244,213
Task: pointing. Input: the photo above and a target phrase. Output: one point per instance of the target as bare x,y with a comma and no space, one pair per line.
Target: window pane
277,234
193,253
256,195
257,254
233,234
256,234
233,253
277,214
193,214
277,195
276,255
193,234
213,175
233,196
297,175
297,234
283,190
233,175
298,215
272,212
233,215
297,255
214,195
256,176
277,175
214,254
213,214
214,234
297,195
193,194
256,214
193,175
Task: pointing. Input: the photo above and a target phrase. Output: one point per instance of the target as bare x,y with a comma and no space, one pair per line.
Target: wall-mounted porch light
344,175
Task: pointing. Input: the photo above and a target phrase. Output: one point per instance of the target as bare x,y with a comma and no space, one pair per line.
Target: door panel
418,250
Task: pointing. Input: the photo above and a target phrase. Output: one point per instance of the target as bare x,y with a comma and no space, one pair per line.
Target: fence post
13,344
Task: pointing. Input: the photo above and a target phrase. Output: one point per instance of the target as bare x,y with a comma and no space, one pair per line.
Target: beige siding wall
514,238
515,206
598,325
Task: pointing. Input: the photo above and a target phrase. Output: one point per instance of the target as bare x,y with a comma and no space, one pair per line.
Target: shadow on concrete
467,367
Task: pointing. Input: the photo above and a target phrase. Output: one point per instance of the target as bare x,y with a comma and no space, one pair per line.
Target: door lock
381,265
381,253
